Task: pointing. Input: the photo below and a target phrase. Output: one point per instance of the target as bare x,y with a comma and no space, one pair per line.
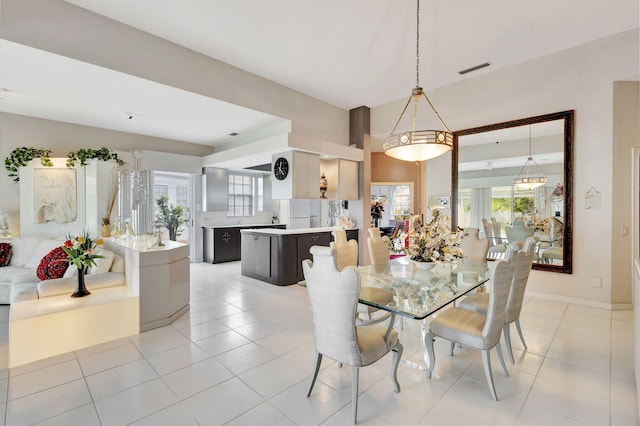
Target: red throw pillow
53,265
5,254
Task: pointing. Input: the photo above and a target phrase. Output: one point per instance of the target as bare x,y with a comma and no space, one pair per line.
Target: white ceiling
347,53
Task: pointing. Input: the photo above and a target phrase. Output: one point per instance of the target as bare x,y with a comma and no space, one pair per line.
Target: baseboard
584,302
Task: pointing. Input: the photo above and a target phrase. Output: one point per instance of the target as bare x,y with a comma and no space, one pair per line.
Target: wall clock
281,168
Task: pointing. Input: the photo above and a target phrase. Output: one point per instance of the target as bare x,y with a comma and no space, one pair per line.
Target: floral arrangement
80,250
434,241
533,220
558,191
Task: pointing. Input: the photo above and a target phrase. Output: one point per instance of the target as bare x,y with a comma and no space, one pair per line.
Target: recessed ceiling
77,92
347,53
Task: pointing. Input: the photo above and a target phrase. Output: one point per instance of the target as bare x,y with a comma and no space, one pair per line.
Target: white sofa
19,282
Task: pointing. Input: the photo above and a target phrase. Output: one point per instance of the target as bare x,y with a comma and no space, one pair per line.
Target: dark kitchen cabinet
224,244
277,258
221,245
305,242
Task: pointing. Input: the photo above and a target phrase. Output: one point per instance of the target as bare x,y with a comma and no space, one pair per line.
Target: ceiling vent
474,68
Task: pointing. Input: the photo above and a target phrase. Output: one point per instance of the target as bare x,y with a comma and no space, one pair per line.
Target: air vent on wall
474,68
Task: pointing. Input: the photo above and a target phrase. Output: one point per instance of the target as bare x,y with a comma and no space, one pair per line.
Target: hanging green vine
19,157
82,155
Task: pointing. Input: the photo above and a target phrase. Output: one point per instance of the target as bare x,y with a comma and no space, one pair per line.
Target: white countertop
243,225
273,231
145,245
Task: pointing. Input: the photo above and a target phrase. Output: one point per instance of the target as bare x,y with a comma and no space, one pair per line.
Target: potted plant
172,217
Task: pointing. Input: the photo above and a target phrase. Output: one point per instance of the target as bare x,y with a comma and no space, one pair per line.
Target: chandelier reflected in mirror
528,179
418,145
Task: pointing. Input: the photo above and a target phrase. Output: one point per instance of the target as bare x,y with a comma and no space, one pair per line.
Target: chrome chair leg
355,373
397,355
501,358
431,361
486,360
315,374
520,333
506,332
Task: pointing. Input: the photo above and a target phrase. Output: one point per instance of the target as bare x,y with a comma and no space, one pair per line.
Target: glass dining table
417,293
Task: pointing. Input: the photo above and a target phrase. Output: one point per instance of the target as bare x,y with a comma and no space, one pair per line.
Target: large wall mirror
485,162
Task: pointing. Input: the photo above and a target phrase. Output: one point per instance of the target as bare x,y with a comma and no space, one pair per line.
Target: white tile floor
244,355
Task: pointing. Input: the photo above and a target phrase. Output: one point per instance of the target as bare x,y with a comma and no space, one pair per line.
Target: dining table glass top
418,292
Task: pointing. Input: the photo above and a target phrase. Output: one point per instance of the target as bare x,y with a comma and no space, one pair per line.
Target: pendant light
526,181
418,145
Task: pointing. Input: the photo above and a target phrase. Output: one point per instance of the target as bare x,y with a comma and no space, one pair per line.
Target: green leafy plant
20,156
172,217
82,155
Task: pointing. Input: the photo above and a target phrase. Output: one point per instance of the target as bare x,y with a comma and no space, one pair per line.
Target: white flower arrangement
434,241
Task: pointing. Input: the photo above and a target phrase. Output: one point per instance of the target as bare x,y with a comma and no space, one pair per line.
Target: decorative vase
425,266
81,290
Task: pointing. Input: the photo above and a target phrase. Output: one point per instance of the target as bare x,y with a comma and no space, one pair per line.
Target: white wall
579,79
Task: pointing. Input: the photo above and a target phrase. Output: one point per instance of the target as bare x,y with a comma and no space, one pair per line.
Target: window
401,200
260,192
182,196
159,190
241,195
464,207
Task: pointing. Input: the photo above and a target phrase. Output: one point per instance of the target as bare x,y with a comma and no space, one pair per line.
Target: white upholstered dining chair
517,232
475,330
346,250
474,248
333,296
496,248
379,253
479,302
346,254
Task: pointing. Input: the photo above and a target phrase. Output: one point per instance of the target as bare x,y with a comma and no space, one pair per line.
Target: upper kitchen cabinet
216,182
295,174
342,179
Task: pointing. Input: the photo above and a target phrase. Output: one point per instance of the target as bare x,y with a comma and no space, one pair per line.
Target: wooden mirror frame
567,116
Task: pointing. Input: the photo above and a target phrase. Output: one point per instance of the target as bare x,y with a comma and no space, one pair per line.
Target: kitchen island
275,255
222,243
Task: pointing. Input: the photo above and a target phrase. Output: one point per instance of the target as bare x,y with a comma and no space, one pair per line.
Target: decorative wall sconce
323,186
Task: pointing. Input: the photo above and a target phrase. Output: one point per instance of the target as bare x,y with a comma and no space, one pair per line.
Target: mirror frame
568,117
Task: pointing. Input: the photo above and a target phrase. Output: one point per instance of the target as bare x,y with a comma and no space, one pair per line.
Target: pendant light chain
418,44
414,144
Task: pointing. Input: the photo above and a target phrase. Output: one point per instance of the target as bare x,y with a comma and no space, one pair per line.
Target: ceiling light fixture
525,181
418,145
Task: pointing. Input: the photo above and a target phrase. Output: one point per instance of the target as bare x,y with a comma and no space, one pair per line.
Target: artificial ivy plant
82,155
20,156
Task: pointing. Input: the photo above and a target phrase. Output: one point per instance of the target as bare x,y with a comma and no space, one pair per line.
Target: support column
360,136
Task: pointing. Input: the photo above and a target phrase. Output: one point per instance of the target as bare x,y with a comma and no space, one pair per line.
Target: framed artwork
55,196
52,199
